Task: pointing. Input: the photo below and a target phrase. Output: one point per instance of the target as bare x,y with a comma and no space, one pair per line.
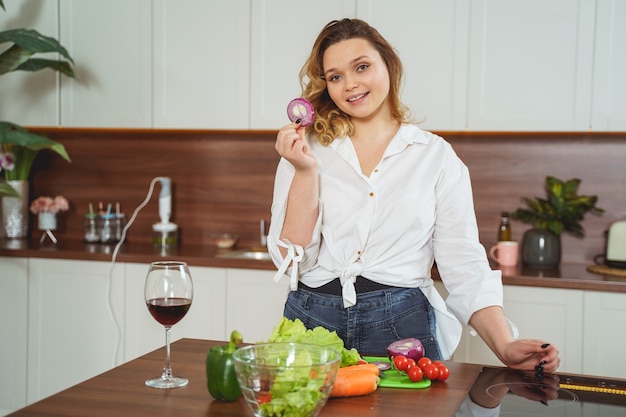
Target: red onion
301,109
411,348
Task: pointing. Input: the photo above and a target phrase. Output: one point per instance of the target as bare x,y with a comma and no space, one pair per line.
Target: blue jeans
378,318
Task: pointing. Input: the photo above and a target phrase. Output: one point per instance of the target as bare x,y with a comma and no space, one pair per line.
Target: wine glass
168,293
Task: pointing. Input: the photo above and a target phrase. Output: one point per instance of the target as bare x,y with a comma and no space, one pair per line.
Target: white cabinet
530,65
205,319
432,43
111,44
72,331
254,303
605,339
202,64
13,310
609,83
27,98
551,314
477,65
283,33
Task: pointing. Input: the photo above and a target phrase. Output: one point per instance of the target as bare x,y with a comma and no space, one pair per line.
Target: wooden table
122,392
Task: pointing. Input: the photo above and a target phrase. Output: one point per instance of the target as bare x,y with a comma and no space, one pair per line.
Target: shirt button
371,194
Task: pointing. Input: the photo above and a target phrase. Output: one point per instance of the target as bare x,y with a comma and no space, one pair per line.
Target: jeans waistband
362,285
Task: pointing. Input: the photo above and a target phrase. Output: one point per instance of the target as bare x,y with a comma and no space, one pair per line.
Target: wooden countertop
566,276
122,392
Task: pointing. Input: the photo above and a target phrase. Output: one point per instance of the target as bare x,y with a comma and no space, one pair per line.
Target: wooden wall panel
223,180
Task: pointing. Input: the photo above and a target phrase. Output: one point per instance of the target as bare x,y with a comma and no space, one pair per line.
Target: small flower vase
47,221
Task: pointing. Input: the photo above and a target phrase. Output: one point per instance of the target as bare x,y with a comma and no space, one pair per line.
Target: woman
366,202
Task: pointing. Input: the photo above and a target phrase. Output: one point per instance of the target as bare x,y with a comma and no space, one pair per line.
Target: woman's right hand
291,144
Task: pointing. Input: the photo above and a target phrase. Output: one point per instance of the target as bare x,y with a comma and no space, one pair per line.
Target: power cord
113,258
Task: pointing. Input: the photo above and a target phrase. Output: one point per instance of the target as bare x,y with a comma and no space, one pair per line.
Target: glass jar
90,228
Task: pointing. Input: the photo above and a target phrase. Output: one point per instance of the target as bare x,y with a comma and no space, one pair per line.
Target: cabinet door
282,36
74,329
609,84
13,308
254,302
431,39
30,98
111,44
201,71
605,339
550,314
205,319
530,64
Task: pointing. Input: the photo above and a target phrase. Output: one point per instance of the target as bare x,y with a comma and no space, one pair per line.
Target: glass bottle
504,230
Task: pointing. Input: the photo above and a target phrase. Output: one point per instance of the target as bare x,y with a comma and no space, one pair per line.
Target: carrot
355,380
366,367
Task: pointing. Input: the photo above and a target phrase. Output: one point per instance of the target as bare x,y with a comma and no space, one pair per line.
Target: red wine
168,311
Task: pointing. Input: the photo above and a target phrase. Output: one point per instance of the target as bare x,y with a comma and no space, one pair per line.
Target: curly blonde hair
330,121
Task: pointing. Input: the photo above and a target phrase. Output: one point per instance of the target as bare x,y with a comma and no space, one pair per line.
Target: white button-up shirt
416,207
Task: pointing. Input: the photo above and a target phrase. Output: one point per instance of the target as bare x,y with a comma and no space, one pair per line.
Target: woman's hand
523,354
291,144
528,354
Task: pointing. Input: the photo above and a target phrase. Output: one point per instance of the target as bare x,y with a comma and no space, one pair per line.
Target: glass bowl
286,379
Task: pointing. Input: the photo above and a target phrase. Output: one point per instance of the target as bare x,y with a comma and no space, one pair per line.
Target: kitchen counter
566,276
122,392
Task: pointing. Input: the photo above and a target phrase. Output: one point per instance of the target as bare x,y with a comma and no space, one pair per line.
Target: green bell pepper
220,370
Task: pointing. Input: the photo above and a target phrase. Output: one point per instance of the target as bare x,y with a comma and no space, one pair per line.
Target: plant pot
47,221
15,212
541,248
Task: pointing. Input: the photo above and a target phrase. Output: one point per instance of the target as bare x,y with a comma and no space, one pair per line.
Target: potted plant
561,211
18,146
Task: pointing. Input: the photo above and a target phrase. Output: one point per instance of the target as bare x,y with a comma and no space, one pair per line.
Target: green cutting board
392,378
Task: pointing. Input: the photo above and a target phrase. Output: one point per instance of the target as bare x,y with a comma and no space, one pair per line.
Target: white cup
505,253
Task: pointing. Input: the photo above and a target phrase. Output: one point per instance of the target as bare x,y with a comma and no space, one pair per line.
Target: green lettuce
295,331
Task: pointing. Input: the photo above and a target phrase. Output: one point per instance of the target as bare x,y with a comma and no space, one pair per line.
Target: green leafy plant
19,147
562,211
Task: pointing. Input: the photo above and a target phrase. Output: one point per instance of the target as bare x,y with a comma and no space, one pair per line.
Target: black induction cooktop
506,392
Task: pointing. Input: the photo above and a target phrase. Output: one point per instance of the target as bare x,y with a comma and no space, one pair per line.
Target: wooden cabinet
14,346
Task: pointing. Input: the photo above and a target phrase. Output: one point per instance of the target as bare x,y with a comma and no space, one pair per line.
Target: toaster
616,245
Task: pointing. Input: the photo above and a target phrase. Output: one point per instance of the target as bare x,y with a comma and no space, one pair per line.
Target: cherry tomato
438,363
431,371
415,374
444,373
411,363
400,362
423,361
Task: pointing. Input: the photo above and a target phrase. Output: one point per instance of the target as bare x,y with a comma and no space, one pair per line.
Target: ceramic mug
505,253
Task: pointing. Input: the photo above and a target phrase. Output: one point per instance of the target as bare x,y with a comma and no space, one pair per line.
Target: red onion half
411,348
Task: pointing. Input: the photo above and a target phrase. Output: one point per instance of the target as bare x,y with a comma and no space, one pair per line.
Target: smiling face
357,78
